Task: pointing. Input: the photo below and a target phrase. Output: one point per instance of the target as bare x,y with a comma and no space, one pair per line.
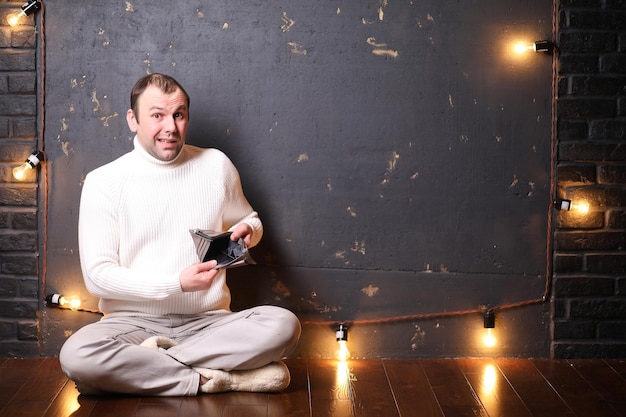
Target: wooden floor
378,388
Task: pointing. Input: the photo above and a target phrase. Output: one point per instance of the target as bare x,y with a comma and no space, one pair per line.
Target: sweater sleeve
98,238
239,209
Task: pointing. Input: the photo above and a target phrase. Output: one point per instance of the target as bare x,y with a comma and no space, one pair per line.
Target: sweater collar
139,149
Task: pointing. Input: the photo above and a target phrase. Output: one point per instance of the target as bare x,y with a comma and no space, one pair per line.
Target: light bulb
581,206
15,18
522,47
19,173
72,303
489,339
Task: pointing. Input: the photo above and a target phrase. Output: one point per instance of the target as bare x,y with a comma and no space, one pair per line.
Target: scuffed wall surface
399,158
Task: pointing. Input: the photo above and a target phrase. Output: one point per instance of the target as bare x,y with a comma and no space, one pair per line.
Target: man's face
161,122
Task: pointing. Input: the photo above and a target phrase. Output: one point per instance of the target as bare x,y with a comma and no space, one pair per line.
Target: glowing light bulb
581,207
15,18
489,339
19,173
522,47
72,303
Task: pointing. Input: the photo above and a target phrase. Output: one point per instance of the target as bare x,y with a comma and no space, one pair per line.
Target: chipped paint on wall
129,7
297,49
95,101
78,83
302,158
380,48
359,246
351,211
105,119
287,22
148,63
381,9
64,145
280,289
370,290
391,166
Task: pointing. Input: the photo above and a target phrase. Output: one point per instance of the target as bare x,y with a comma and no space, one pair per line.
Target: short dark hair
164,82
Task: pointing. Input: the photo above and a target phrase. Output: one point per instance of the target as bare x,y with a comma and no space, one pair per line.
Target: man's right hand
198,276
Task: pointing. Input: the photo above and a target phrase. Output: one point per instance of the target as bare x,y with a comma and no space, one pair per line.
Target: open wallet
217,245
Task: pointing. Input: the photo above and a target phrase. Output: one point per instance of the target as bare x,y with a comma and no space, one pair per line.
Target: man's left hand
242,231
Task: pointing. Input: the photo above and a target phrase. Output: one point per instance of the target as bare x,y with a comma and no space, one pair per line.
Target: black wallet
217,245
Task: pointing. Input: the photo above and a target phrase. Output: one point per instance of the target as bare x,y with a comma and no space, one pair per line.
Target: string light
489,323
522,47
61,301
28,8
581,207
19,173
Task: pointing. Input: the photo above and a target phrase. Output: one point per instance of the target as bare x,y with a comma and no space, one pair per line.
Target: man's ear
131,120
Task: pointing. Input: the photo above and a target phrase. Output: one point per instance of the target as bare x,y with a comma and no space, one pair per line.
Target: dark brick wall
589,250
18,200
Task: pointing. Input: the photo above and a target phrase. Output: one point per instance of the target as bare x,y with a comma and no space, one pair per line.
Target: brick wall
18,200
590,250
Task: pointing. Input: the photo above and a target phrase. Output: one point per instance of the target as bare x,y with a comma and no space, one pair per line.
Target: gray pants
106,356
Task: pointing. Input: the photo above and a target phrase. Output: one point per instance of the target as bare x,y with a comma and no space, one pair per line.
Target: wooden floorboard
358,388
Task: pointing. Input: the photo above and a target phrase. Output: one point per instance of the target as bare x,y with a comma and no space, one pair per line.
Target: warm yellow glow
343,353
490,378
343,374
522,47
19,173
69,405
489,339
581,207
15,18
71,302
74,303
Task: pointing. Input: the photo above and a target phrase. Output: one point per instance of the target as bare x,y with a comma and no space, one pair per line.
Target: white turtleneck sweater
133,229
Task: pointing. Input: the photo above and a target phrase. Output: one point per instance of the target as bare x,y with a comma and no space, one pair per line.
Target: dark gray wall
399,157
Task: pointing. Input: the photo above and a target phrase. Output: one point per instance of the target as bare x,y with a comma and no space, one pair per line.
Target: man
167,328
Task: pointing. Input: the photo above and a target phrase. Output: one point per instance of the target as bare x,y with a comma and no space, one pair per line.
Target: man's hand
198,276
242,231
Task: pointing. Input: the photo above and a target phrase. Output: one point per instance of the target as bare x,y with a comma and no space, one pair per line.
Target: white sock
156,342
269,378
